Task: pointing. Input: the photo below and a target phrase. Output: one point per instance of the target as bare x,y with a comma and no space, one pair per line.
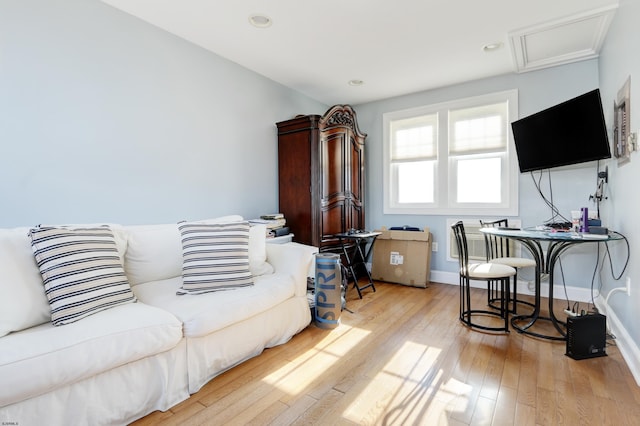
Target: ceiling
392,47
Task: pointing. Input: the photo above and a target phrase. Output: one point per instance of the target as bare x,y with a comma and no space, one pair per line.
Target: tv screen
571,132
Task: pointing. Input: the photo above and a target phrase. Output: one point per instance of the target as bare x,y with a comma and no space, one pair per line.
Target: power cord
555,213
615,278
626,263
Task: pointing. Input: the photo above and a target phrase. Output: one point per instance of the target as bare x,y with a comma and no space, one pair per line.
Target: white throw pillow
215,257
222,219
23,303
81,270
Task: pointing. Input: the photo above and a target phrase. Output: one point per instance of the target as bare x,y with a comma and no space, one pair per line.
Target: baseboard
574,294
629,350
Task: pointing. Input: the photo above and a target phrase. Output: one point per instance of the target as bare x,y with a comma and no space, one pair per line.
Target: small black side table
363,245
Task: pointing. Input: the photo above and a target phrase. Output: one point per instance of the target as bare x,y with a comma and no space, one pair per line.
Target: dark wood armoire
321,176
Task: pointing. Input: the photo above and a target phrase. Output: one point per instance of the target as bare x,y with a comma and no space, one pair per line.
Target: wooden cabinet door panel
333,219
356,169
333,166
354,215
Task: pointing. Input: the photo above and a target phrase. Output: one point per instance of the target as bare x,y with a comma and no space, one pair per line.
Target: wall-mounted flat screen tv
571,132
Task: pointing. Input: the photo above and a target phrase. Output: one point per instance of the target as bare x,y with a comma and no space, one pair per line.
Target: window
452,158
475,240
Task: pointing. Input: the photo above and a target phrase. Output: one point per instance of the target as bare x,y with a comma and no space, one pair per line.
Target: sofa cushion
81,271
258,264
23,303
209,312
43,358
153,253
215,257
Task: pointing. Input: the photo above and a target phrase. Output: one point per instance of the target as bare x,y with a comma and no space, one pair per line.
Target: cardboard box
402,257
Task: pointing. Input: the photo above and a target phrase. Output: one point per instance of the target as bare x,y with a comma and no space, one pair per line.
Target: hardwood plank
582,390
403,357
268,415
505,410
321,412
545,363
545,407
512,362
525,415
567,405
483,411
295,410
155,418
528,367
495,367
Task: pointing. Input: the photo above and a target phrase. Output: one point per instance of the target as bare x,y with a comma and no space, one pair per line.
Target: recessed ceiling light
491,47
260,21
356,82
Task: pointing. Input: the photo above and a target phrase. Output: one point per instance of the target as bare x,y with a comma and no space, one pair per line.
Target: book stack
275,222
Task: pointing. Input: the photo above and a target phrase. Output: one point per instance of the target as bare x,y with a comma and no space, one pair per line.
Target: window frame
444,203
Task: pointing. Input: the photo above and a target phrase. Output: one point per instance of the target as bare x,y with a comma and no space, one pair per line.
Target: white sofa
121,363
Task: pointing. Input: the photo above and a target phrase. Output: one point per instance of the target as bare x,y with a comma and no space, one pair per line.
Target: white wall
618,61
104,117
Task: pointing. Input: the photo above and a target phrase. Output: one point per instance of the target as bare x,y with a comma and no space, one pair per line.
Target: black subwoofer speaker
586,336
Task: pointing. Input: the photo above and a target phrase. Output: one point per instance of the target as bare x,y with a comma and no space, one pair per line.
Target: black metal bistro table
556,244
363,242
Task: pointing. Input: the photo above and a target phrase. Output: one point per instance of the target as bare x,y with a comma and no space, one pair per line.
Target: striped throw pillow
215,257
81,271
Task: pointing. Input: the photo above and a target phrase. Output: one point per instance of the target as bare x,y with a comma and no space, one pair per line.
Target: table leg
353,261
364,265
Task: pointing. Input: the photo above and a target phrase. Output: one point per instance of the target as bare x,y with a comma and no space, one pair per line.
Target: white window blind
479,129
414,138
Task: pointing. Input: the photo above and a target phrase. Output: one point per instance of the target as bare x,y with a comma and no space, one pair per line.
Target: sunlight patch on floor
315,362
407,388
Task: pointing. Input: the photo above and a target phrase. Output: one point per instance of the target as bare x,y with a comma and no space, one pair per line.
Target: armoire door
333,183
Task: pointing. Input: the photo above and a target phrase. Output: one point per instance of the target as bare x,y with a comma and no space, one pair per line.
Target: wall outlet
531,285
434,246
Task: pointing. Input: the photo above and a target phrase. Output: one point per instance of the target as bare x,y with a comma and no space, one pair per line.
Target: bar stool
498,251
490,272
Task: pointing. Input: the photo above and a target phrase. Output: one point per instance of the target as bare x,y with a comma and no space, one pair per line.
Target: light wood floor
403,358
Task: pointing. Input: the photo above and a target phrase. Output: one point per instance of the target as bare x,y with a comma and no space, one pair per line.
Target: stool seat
487,271
514,262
